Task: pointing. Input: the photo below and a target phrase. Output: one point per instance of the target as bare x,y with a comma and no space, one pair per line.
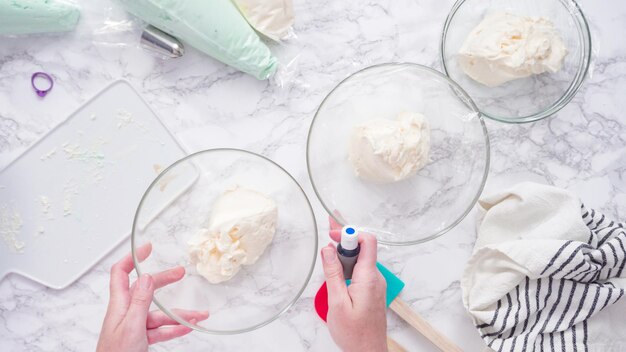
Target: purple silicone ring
40,92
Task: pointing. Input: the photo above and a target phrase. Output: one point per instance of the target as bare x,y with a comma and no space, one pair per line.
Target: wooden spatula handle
410,316
394,346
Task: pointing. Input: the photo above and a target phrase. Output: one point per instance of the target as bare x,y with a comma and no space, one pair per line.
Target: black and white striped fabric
550,312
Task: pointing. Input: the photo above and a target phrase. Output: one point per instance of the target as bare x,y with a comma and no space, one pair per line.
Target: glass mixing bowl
431,202
527,99
178,203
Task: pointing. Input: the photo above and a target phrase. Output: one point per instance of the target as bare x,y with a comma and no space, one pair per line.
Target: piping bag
214,27
37,16
393,301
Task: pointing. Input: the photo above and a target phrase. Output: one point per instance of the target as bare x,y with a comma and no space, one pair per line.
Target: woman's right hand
357,313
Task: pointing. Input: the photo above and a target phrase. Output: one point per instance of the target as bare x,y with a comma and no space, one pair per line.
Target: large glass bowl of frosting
400,151
242,228
519,60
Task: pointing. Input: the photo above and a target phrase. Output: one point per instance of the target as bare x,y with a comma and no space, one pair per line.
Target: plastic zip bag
37,16
272,18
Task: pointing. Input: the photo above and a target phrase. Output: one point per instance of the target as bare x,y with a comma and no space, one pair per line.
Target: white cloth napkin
543,268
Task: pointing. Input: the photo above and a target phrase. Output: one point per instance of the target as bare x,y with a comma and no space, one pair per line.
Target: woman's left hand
129,325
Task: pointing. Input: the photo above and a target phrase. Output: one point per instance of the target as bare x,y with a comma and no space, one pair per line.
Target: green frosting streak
214,27
37,16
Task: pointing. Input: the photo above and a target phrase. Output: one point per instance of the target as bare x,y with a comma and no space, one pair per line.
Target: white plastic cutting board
72,197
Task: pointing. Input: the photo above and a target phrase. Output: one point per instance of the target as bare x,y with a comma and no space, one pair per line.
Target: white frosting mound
505,47
385,151
241,226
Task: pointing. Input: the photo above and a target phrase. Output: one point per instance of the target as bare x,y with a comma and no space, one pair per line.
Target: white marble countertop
205,104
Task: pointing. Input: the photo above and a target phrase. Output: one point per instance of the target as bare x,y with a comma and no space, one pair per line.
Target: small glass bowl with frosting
400,151
520,61
242,228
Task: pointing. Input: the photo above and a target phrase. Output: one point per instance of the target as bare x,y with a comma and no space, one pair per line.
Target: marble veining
206,104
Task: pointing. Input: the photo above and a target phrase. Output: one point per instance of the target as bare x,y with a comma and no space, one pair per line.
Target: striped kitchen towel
543,269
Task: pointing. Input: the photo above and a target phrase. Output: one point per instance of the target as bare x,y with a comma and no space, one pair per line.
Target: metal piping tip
159,42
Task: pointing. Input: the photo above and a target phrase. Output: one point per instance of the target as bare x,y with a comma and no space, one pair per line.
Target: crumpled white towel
543,266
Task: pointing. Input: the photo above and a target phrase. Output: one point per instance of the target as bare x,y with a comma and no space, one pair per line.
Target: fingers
168,276
335,229
335,235
118,285
127,264
334,225
140,301
333,271
168,333
157,318
143,252
165,278
367,256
